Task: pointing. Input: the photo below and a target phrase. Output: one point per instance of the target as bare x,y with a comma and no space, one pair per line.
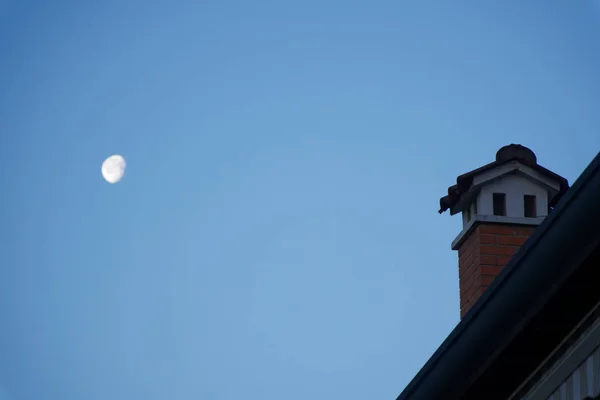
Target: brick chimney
501,204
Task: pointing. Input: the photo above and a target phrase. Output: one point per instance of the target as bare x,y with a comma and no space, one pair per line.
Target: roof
512,152
546,289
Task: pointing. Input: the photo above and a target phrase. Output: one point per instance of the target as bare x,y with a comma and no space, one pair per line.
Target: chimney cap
516,151
506,154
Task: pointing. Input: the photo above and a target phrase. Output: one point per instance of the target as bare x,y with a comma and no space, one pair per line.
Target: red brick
475,288
483,255
502,260
486,259
472,244
476,296
486,280
488,239
467,282
480,292
464,302
468,244
497,250
468,292
512,240
466,259
497,229
465,270
525,230
472,284
487,270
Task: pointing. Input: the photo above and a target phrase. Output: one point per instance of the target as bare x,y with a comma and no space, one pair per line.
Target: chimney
501,203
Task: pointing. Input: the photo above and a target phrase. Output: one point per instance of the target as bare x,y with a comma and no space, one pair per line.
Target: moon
113,168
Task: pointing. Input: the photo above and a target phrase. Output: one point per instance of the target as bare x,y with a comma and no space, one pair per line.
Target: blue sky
276,234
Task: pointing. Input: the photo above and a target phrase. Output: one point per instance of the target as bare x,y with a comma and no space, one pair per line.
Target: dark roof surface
512,152
539,297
